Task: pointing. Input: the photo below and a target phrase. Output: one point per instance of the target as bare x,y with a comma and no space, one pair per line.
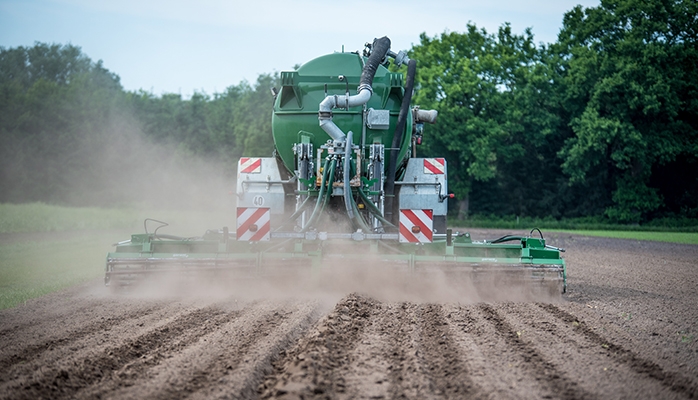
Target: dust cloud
126,168
122,167
336,279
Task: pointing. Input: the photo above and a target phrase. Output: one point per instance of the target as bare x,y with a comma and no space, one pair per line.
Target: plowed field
627,328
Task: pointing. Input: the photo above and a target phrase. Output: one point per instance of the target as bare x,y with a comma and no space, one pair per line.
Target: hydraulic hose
372,207
352,209
347,173
358,220
397,138
320,195
330,181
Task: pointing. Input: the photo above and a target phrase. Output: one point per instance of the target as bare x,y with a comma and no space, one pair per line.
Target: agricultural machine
344,183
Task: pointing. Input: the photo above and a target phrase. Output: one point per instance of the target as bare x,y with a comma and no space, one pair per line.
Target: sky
178,46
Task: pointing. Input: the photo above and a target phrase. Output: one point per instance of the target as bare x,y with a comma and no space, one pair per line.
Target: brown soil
627,328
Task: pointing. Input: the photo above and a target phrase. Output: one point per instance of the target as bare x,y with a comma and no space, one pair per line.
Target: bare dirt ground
627,328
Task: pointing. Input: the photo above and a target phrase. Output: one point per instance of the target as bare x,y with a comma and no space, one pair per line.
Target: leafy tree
627,71
496,116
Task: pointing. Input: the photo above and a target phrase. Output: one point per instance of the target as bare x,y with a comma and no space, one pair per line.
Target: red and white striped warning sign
253,224
416,226
250,165
435,166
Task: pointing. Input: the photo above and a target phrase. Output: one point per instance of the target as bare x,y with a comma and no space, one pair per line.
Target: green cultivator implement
344,187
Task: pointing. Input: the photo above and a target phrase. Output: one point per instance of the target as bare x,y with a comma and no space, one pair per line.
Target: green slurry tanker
344,182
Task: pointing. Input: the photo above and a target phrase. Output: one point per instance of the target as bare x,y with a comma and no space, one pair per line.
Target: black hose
506,238
397,139
379,49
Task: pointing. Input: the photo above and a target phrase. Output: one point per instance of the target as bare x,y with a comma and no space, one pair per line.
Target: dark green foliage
627,70
603,122
498,120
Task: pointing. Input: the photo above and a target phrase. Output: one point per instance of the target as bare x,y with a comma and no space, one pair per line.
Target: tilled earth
627,328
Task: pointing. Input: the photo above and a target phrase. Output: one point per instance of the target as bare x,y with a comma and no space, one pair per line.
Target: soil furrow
27,352
567,348
310,369
499,369
21,322
222,363
67,378
442,362
638,364
157,347
250,371
545,372
366,372
405,378
627,328
231,355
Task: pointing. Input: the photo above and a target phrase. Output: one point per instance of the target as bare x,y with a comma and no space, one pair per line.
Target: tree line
602,123
70,133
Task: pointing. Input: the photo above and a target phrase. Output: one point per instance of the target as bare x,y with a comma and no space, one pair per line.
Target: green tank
295,116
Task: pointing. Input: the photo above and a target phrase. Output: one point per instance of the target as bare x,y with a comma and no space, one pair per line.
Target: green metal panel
296,106
147,254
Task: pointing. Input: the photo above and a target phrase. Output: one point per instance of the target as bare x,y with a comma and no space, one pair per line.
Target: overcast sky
178,46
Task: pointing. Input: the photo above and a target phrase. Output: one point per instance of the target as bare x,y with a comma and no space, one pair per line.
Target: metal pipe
364,91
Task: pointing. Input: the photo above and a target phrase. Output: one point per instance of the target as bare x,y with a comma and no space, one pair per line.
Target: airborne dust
161,179
121,166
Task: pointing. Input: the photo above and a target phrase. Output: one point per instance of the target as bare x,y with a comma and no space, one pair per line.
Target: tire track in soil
639,365
28,352
441,358
84,369
568,349
498,368
249,375
545,372
366,369
383,364
404,377
310,370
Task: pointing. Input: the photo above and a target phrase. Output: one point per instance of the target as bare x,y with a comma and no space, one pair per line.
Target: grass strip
30,269
670,237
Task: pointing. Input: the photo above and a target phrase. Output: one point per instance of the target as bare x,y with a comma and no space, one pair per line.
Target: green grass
40,217
671,237
678,224
33,263
30,269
